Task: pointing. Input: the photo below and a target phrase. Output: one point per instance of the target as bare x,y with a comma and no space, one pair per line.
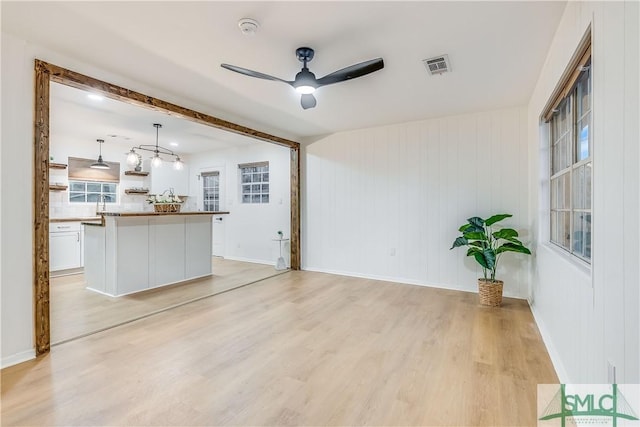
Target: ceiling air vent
437,65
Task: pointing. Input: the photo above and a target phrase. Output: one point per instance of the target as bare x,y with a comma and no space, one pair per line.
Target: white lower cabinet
65,246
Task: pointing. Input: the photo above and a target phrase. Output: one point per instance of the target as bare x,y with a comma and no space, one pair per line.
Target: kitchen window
254,182
92,192
211,191
571,171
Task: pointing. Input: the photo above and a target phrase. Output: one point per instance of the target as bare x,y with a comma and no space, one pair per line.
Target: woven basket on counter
167,207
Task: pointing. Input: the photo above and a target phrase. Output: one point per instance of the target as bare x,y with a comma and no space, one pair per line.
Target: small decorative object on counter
280,234
166,203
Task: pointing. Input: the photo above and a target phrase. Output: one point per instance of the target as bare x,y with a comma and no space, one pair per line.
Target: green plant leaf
499,217
472,251
516,241
463,228
513,247
486,258
460,241
475,235
505,233
476,221
476,243
480,258
490,256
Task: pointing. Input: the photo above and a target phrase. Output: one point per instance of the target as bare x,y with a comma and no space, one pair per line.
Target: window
92,192
571,146
254,182
211,191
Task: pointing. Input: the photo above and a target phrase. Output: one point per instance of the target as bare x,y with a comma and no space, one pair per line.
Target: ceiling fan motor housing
304,54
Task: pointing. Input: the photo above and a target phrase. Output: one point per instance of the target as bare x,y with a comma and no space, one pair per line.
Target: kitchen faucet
104,203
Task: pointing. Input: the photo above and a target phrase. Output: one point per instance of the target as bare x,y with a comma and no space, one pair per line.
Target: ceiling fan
306,83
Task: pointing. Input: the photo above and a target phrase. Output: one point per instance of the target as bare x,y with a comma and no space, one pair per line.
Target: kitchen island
129,252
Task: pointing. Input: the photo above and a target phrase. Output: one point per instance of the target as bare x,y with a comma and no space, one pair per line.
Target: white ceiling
496,51
74,115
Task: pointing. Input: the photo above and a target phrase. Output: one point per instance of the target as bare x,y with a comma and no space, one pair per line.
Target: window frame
86,192
263,197
203,176
570,94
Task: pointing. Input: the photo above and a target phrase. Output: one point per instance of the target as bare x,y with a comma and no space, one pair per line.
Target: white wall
589,316
249,228
406,189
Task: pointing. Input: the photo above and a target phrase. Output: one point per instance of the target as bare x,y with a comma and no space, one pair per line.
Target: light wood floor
298,349
76,311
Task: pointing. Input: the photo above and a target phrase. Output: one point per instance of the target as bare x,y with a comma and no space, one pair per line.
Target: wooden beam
80,81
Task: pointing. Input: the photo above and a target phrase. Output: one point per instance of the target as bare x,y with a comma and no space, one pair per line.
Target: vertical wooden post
295,208
41,210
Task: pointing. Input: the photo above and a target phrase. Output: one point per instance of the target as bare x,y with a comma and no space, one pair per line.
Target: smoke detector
437,65
248,26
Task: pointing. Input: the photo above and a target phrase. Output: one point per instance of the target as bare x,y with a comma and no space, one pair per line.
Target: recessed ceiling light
173,144
95,97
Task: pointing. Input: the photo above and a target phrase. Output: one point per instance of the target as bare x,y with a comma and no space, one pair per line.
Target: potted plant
486,246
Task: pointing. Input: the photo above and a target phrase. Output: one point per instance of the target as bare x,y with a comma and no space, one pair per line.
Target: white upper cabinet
166,177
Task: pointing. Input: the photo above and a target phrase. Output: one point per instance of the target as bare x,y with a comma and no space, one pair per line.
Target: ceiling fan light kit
305,81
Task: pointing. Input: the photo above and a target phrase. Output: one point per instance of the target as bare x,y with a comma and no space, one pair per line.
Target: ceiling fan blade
252,73
308,101
351,72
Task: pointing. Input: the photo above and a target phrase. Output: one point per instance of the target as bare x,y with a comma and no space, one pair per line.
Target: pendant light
100,164
157,150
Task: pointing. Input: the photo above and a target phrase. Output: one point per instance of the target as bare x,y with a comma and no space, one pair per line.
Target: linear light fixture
157,150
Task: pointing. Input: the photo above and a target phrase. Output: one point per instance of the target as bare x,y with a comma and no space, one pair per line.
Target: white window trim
117,192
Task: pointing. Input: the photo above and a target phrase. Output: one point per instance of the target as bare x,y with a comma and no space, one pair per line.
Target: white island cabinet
133,252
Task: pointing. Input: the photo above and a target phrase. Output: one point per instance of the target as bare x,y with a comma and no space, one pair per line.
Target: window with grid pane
211,191
571,166
254,182
93,192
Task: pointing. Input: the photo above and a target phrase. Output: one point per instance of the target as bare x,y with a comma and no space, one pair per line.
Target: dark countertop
159,213
94,224
92,218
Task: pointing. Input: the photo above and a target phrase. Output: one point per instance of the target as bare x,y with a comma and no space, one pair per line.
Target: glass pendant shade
156,161
178,164
132,157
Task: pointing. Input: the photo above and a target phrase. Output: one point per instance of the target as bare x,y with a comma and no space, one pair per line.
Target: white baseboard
255,261
556,360
14,359
398,280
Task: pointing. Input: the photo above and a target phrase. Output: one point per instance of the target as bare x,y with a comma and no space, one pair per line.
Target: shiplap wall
589,315
387,202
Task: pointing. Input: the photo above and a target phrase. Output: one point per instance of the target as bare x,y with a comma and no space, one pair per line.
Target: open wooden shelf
132,191
135,173
57,166
57,187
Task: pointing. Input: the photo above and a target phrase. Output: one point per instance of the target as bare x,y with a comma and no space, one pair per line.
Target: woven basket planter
490,292
166,207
